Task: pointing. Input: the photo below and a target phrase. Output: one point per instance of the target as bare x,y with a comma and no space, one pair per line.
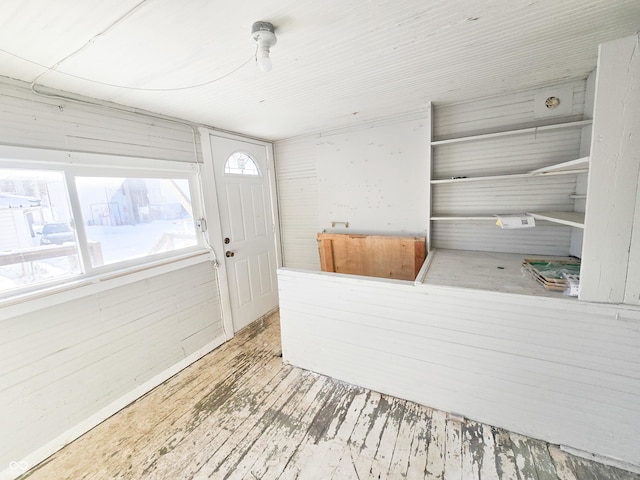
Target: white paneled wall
372,176
496,113
483,235
504,155
554,369
503,196
66,364
297,183
57,124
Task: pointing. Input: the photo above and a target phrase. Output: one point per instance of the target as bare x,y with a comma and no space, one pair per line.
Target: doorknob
229,254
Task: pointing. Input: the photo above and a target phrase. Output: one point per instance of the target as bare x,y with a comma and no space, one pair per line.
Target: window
129,218
37,243
57,225
240,163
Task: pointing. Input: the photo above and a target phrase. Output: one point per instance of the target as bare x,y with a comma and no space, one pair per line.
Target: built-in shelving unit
486,159
477,176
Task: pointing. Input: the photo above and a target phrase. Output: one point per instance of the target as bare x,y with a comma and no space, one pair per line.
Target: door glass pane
37,239
129,218
240,163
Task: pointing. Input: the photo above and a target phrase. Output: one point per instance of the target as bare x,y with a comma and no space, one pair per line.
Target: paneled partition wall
552,368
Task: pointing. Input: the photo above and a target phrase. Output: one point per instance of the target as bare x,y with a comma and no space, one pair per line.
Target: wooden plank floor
239,413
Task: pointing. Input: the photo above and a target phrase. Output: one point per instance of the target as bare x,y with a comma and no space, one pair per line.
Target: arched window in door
240,163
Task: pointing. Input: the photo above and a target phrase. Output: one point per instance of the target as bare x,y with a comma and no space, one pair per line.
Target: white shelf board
520,131
454,219
570,166
573,219
512,176
489,271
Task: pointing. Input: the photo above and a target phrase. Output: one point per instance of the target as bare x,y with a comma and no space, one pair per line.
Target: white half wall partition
555,369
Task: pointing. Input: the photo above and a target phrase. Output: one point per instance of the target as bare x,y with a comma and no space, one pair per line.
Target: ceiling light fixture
263,35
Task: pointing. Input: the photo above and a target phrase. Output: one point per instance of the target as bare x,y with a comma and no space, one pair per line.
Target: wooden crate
372,255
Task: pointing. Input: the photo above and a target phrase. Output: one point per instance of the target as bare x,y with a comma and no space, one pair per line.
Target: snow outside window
61,225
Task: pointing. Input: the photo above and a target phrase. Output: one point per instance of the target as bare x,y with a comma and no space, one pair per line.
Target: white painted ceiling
337,62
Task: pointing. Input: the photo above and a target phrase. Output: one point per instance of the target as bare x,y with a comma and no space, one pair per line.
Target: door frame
212,213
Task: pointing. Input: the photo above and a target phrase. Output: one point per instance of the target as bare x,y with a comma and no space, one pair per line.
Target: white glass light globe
264,62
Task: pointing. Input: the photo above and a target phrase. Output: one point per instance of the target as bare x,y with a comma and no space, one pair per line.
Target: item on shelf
515,221
550,273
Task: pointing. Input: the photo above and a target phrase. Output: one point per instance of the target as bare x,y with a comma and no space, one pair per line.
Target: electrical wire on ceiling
119,20
168,89
88,42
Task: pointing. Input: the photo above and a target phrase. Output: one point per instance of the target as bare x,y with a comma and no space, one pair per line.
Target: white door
248,229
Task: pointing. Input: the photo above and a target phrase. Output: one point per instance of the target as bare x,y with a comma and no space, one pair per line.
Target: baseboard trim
19,467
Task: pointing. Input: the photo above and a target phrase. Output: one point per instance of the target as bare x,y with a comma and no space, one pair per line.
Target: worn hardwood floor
239,413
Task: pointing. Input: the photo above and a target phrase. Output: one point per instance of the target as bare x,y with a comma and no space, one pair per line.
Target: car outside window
37,244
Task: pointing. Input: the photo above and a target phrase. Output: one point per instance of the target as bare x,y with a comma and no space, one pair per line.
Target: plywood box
372,255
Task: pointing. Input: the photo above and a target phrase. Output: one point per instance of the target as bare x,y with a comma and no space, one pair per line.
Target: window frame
72,165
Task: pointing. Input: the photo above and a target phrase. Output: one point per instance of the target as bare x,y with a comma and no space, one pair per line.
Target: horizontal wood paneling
31,120
61,365
377,59
504,196
503,112
555,369
297,184
506,155
484,235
